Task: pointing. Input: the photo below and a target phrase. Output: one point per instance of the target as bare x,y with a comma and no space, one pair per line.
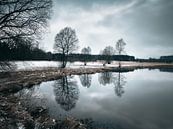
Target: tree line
26,53
66,42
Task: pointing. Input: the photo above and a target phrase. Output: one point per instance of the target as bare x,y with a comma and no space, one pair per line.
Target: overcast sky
145,25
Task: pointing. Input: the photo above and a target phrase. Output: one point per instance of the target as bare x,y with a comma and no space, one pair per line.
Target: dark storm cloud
89,3
155,19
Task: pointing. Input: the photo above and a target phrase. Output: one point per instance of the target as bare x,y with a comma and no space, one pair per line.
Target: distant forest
26,52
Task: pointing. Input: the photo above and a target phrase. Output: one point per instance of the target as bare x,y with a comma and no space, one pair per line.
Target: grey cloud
151,22
87,4
156,18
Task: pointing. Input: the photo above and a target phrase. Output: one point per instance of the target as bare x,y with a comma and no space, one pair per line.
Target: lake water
142,99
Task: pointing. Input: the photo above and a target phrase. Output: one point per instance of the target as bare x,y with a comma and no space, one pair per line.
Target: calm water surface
135,100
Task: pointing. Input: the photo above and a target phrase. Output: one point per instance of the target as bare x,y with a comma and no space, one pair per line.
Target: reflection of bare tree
105,78
117,79
119,82
66,92
85,80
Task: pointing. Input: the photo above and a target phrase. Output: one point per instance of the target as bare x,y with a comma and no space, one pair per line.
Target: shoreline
17,80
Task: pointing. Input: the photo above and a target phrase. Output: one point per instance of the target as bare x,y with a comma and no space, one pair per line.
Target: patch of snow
34,65
27,65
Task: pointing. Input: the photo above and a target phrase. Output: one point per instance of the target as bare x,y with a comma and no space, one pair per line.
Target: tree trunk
119,64
64,60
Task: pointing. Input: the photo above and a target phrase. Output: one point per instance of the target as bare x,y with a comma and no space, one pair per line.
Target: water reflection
166,70
105,78
117,79
146,103
85,80
119,82
66,92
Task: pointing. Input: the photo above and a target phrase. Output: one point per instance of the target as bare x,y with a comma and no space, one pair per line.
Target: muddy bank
14,114
15,81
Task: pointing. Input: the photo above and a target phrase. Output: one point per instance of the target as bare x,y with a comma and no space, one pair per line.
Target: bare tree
86,51
120,46
108,52
66,42
85,80
24,19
